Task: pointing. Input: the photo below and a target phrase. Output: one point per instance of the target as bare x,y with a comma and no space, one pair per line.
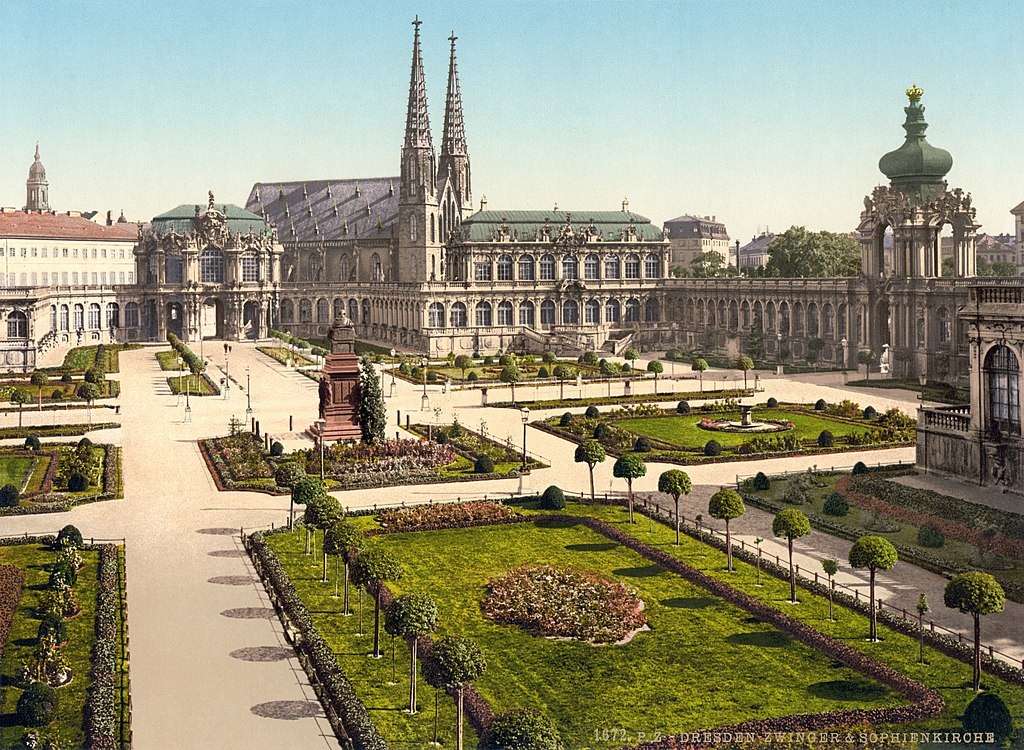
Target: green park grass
282,354
14,470
84,357
169,360
195,385
704,663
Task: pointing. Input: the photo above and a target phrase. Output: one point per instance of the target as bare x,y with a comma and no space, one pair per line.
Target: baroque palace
410,263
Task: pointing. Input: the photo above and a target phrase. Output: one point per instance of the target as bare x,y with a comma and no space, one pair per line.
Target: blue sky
761,113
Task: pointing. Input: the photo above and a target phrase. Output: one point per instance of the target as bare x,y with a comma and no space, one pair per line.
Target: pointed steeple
37,189
417,120
454,141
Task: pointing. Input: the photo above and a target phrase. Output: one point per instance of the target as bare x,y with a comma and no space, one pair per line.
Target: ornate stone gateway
339,385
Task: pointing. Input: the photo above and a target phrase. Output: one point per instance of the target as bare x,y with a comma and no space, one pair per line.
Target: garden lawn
14,470
282,354
195,385
22,642
703,664
682,429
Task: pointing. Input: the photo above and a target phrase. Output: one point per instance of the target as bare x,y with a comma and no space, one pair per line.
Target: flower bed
471,445
564,603
60,430
639,398
50,500
445,516
12,580
102,718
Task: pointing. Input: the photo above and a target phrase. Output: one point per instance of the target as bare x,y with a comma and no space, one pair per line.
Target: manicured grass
169,360
282,354
22,642
14,470
704,663
195,385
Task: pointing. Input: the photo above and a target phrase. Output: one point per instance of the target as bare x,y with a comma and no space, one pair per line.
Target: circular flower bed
564,603
729,425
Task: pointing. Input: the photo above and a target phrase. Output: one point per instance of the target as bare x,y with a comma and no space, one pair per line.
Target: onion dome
916,168
37,171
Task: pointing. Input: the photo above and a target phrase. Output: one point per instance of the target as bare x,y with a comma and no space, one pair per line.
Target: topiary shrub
62,573
287,474
543,372
988,713
683,407
94,375
431,377
472,377
84,442
32,443
9,496
37,705
552,499
565,420
602,431
860,468
52,624
820,405
592,412
761,481
488,360
521,729
826,439
483,465
642,445
772,402
69,536
712,448
66,378
78,482
276,448
929,536
835,505
57,395
870,413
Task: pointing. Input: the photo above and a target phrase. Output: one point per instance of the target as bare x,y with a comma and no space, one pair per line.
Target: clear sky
761,113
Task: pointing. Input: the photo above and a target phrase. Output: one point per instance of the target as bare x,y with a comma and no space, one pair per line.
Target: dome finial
914,93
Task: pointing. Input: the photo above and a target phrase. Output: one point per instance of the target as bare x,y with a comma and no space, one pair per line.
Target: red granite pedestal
339,386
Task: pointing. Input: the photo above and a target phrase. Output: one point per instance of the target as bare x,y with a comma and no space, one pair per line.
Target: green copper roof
916,168
524,226
181,219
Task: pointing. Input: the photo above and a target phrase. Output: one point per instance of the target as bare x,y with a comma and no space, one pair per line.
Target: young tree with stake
975,593
375,566
699,366
629,467
412,616
457,662
725,505
831,567
591,453
675,482
340,540
874,553
791,524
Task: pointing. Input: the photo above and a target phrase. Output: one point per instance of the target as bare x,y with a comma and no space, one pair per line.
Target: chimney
483,203
110,220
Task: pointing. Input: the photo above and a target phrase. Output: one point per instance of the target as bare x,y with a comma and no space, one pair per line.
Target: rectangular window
44,252
120,253
103,253
250,270
64,252
46,278
74,278
120,277
103,277
24,279
10,279
482,271
64,278
74,252
35,279
35,253
131,277
95,278
94,252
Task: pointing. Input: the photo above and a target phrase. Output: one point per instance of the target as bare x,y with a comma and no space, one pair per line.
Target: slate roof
481,226
182,219
21,224
318,210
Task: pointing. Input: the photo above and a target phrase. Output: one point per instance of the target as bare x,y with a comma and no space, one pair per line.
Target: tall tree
591,453
655,367
341,539
456,662
412,616
792,524
373,417
874,553
798,252
376,566
675,482
510,374
699,366
629,467
746,364
710,264
726,505
975,593
39,380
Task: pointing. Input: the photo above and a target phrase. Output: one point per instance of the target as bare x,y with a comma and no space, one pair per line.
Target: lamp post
525,412
180,363
425,401
321,426
248,395
778,352
227,376
392,392
843,343
188,405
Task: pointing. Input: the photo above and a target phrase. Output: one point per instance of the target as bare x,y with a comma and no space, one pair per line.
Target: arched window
526,313
435,315
1003,372
287,311
812,320
797,319
827,323
709,319
323,311
339,308
53,317
547,267
612,311
570,312
211,266
483,314
431,229
112,315
652,267
131,315
944,326
305,311
376,269
784,327
547,313
734,317
591,267
526,268
65,321
841,321
633,310
459,315
344,269
505,313
366,311
592,312
612,267
570,267
632,270
505,268
94,316
353,310
769,316
482,270
652,311
17,325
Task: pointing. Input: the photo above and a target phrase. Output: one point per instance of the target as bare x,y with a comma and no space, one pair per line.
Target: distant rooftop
49,225
182,219
481,226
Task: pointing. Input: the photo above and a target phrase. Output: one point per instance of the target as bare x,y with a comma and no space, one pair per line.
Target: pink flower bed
446,516
564,602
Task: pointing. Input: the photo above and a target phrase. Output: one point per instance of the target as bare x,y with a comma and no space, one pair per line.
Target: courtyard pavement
210,667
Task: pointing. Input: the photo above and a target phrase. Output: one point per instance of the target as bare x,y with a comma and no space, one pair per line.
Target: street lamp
525,411
843,344
180,363
425,402
778,352
227,376
393,353
321,427
188,405
248,395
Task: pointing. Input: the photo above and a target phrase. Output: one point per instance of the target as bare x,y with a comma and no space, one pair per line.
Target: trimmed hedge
102,722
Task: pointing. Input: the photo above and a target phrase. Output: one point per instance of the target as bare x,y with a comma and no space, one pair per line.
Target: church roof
318,210
480,227
35,225
182,219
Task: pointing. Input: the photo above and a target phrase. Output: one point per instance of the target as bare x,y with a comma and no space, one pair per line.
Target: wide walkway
209,665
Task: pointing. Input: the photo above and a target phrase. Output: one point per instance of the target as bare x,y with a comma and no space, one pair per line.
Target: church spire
454,142
417,121
37,189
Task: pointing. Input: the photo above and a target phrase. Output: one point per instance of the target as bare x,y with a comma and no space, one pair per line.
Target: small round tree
874,553
629,467
455,663
988,713
376,566
866,357
831,566
510,374
39,380
522,729
792,524
9,496
552,498
37,705
304,490
726,505
19,397
88,392
975,593
563,373
745,364
412,616
655,368
341,539
69,536
676,483
463,362
288,473
321,512
631,355
699,366
591,453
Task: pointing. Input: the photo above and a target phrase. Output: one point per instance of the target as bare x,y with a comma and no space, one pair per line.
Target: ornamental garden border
636,398
47,501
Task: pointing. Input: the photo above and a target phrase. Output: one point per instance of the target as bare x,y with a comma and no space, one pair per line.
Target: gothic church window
1003,372
377,269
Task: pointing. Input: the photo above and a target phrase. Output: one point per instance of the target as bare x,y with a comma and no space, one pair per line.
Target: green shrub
472,377
94,375
521,729
589,358
84,442
860,468
642,445
870,413
52,624
761,481
67,379
712,448
57,395
820,405
69,536
683,407
543,372
565,420
988,713
288,474
37,705
592,412
488,360
795,494
507,359
431,376
276,448
835,505
772,402
602,431
62,572
9,496
484,465
826,439
552,499
78,482
674,355
929,536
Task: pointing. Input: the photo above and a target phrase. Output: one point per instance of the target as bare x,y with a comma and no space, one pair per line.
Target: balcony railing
955,418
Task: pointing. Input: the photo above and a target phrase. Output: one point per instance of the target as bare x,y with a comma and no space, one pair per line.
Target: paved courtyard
210,667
